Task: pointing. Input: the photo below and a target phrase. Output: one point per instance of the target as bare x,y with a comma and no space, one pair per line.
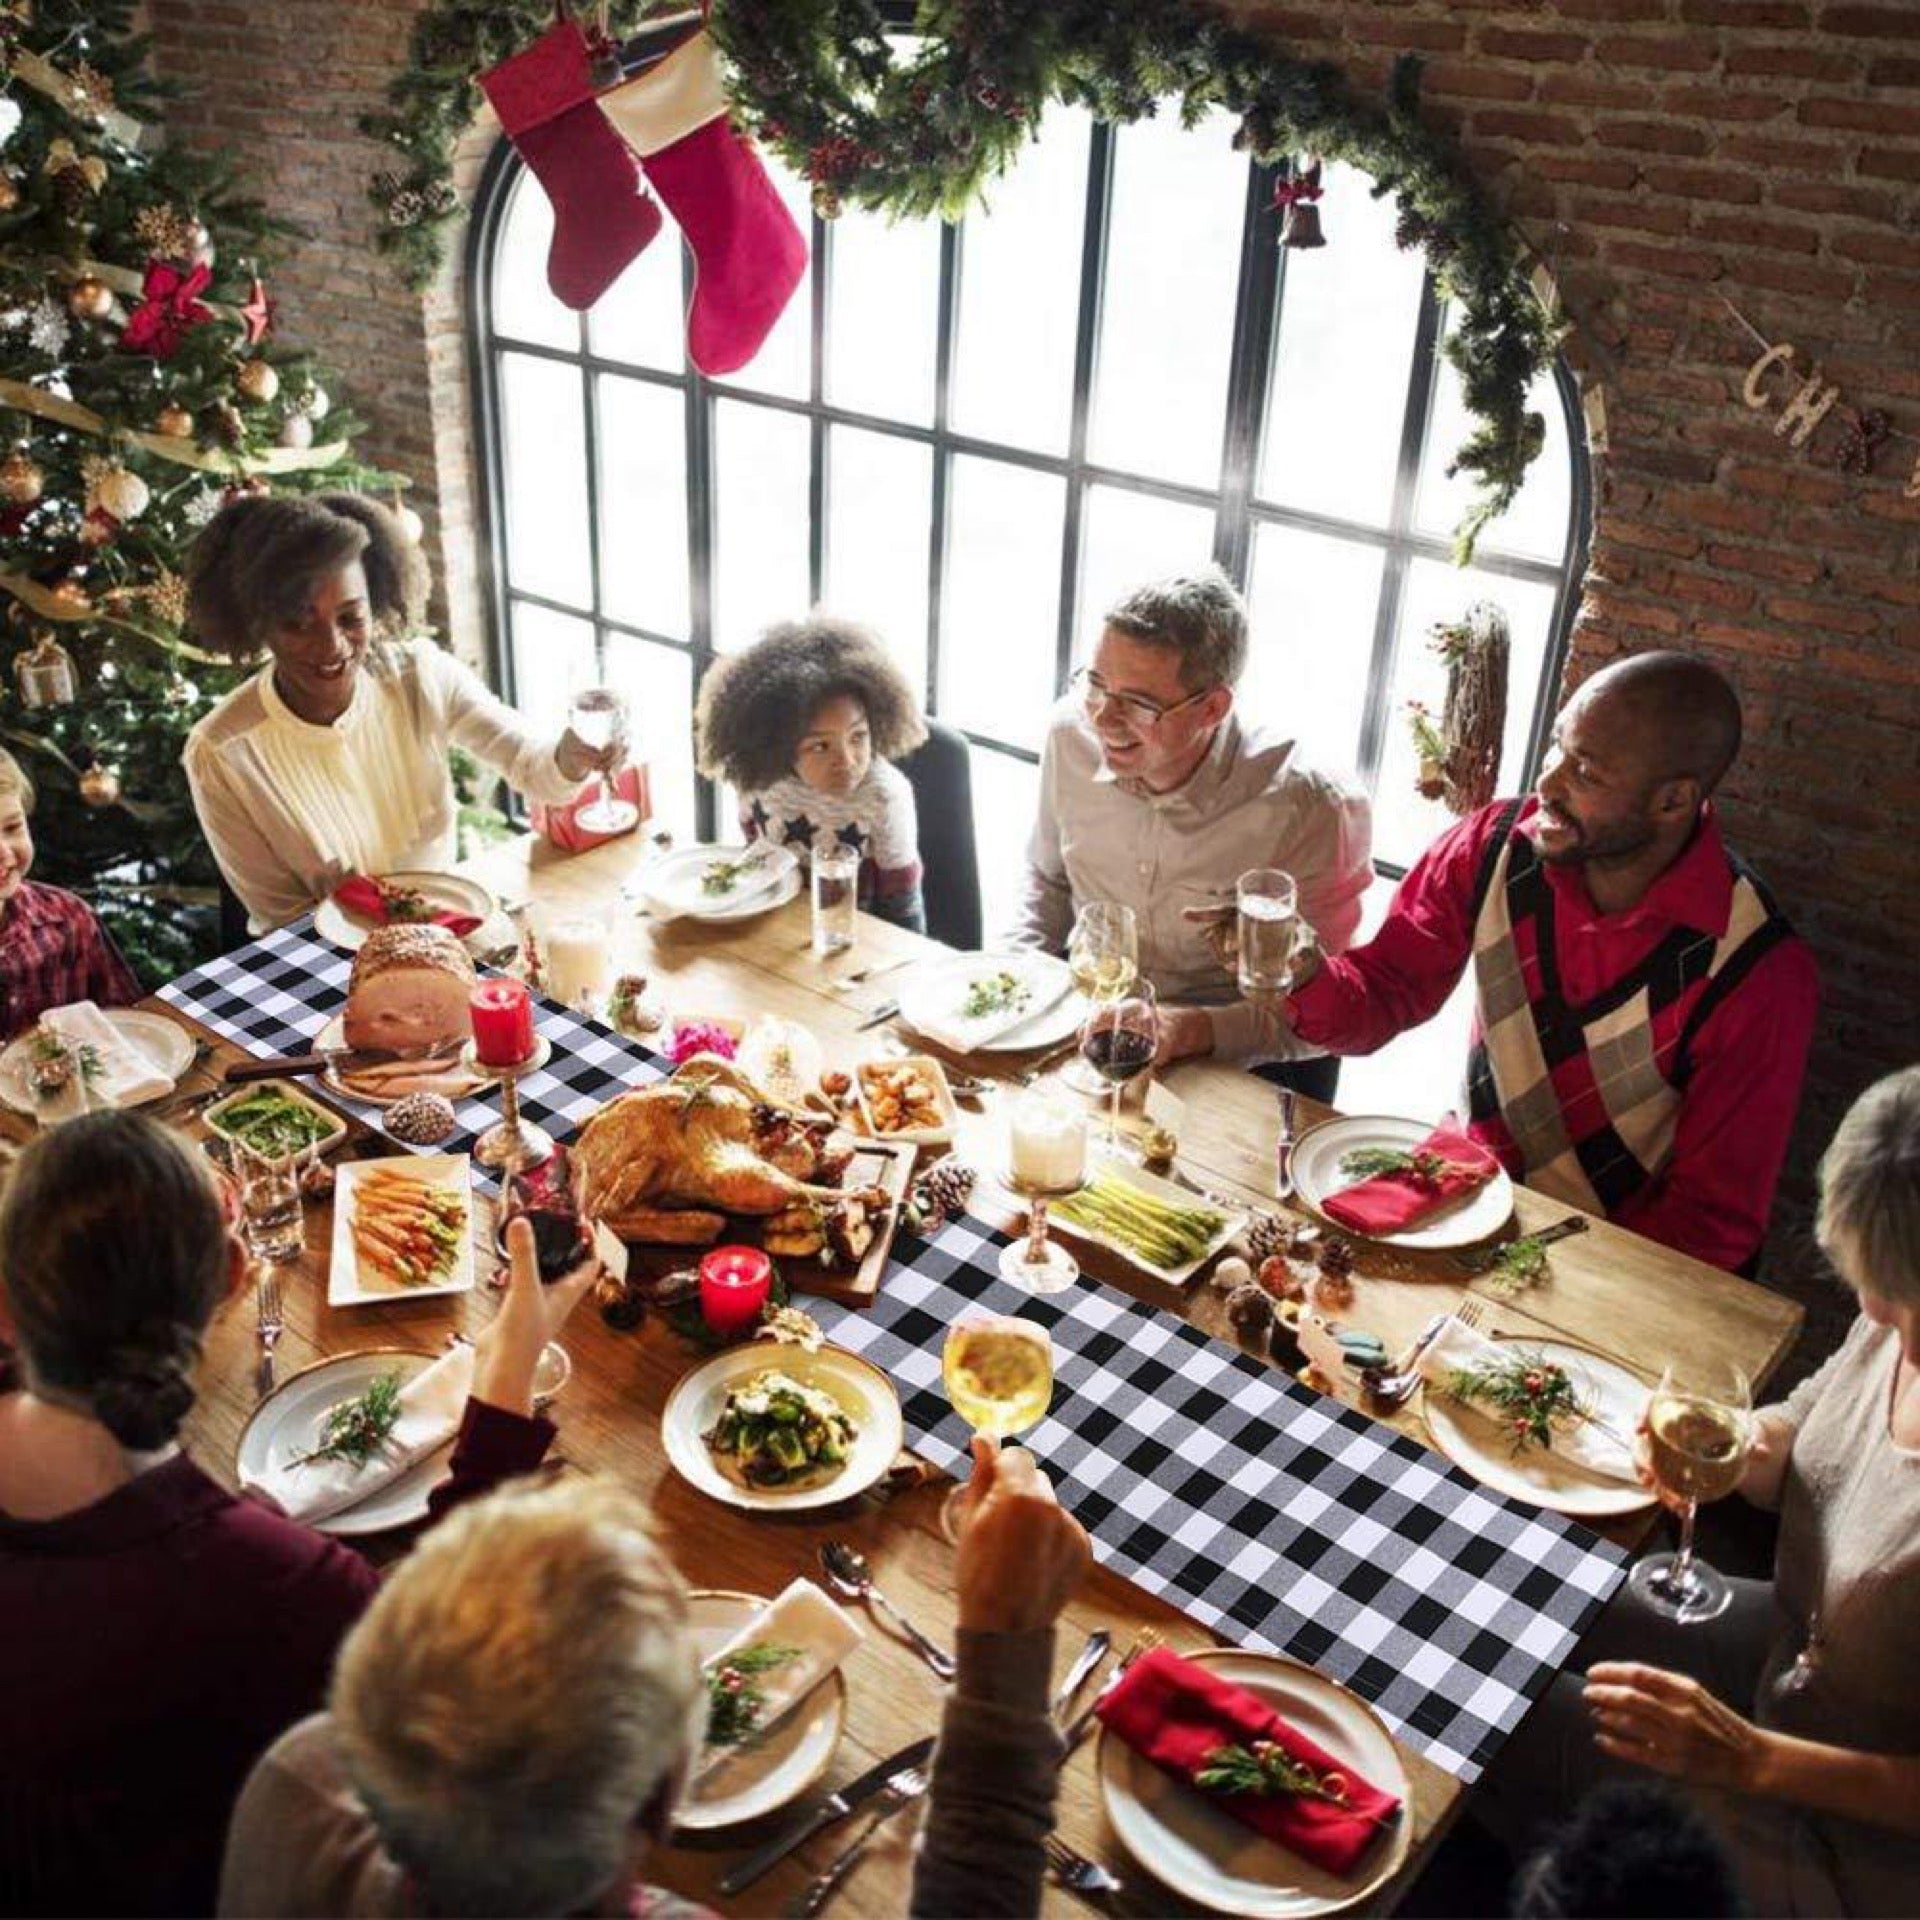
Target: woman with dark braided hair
332,760
160,1632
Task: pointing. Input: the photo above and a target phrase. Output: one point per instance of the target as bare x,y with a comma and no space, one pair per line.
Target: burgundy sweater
152,1646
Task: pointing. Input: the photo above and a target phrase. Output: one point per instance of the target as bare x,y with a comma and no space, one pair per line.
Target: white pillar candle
1049,1145
579,960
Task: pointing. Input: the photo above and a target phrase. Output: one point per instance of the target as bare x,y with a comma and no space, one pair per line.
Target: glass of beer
998,1372
1699,1426
1269,930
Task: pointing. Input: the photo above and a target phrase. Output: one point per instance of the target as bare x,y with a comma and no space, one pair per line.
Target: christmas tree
141,386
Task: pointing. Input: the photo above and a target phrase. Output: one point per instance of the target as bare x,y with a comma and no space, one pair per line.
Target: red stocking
602,216
747,250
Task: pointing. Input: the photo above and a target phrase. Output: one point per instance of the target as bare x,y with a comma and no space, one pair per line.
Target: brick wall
1665,153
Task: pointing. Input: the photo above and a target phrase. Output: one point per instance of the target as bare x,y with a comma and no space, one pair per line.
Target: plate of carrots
402,1228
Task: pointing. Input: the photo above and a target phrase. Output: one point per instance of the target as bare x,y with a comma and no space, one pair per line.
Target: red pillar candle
502,1014
734,1284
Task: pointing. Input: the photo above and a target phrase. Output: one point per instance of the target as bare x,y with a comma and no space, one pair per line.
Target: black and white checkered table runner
1280,1518
275,994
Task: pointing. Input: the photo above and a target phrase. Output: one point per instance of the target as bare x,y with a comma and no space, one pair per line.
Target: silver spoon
849,1576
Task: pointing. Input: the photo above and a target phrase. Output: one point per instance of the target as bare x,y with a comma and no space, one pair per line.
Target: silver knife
836,1806
882,1013
1283,1149
1098,1641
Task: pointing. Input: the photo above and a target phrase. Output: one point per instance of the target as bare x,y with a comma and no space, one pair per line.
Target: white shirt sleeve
489,729
1044,917
270,890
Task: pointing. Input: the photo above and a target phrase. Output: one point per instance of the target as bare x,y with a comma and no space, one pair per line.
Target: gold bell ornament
44,675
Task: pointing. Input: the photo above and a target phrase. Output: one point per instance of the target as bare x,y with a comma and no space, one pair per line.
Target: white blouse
291,808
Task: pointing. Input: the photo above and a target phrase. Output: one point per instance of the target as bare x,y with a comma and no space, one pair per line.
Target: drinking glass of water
836,881
1270,933
269,1207
598,717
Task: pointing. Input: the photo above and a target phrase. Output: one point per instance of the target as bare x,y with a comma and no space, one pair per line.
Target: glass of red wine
1117,1042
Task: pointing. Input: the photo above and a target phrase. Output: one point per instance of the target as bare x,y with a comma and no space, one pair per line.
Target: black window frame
1237,510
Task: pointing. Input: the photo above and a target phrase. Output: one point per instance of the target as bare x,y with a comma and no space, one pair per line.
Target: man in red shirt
1642,1011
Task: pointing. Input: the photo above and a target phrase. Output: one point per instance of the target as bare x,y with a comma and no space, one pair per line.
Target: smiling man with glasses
1155,795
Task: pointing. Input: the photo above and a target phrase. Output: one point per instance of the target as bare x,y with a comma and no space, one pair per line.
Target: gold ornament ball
411,525
174,421
100,786
9,193
257,381
296,430
71,597
22,481
89,298
120,493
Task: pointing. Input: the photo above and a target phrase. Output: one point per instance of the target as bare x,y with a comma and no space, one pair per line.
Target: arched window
975,437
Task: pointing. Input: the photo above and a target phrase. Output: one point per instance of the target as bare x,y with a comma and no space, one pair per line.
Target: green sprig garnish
1368,1163
1529,1392
734,1703
721,876
1267,1771
358,1430
1518,1265
997,993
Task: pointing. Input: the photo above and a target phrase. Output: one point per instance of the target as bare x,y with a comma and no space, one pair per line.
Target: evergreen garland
924,132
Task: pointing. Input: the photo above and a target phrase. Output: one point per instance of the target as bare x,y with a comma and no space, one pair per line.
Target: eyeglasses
1135,708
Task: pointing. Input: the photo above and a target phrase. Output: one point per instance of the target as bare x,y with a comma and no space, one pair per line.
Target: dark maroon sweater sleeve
492,1445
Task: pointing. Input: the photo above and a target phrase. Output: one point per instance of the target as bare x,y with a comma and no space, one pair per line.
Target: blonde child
53,950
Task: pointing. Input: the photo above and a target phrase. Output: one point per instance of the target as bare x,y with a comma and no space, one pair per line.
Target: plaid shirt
54,952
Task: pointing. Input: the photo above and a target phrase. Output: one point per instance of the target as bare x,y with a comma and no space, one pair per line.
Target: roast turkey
671,1162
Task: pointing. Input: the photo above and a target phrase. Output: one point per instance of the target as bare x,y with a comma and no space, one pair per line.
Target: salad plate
710,1399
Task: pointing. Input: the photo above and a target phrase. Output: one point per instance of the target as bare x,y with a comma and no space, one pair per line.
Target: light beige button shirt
1252,802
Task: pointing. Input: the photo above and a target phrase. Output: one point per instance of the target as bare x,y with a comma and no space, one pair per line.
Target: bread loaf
408,991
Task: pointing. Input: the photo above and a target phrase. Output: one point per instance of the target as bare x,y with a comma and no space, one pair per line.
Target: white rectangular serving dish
1169,1190
346,1287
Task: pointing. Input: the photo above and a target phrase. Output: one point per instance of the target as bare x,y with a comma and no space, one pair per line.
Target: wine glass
998,1372
1699,1427
598,717
1118,1042
1103,955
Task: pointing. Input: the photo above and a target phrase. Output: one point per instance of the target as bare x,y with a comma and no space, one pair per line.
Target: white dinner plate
1151,1183
670,886
287,1423
166,1042
1183,1839
334,1035
932,995
861,1388
350,1283
765,1773
446,892
1316,1175
1474,1443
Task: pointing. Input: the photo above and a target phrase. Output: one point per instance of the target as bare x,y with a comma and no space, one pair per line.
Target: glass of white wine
598,718
1699,1428
1103,955
998,1372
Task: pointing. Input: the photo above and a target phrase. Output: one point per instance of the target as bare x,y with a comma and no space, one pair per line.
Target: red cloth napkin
1173,1712
360,895
1392,1202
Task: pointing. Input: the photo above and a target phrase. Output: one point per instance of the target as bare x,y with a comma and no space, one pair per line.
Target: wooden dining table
1623,1296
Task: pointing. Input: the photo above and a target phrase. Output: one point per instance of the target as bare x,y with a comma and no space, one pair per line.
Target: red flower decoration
169,304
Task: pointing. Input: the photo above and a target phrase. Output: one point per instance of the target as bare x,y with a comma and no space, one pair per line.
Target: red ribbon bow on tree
169,304
1302,187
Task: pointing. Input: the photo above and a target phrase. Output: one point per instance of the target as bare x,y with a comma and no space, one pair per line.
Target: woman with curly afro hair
332,759
806,724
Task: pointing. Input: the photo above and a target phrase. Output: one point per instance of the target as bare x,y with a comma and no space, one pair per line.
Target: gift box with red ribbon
561,824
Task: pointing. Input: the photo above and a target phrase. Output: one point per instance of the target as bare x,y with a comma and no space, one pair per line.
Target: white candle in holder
1049,1144
579,957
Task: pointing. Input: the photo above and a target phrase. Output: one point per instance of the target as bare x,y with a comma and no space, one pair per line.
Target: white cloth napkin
127,1074
803,1617
1580,1442
763,865
431,1404
939,1016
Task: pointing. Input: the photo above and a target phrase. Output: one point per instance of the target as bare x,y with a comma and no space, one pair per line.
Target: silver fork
902,1791
1081,1725
1076,1872
266,1299
1396,1388
863,974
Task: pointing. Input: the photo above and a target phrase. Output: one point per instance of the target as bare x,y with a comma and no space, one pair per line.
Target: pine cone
1267,1234
1336,1257
940,1193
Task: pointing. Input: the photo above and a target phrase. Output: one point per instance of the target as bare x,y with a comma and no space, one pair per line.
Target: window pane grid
1245,504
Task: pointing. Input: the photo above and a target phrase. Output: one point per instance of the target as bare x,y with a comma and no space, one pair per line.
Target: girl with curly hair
332,760
806,724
